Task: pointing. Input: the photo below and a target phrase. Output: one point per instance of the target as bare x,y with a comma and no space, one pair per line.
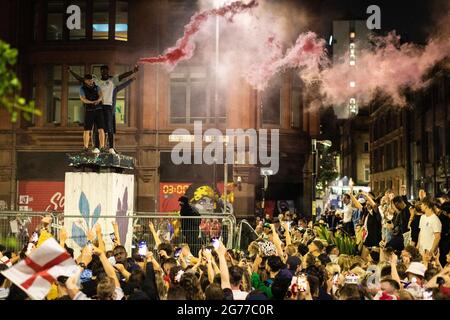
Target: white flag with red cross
39,270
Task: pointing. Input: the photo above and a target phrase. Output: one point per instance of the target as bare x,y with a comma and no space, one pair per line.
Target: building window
189,96
53,93
122,98
366,172
271,103
121,29
79,34
75,107
55,17
100,25
366,147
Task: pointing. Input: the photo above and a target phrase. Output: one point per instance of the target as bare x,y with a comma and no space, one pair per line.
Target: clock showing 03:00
175,188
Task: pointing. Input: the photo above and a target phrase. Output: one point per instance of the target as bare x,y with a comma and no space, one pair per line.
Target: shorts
108,118
91,117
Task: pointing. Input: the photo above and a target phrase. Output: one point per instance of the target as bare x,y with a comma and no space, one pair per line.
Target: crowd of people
402,254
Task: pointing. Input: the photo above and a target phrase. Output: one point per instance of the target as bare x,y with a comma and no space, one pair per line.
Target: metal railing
245,234
170,228
16,227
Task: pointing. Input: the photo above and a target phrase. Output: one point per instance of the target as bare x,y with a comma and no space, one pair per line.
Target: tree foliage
327,168
10,86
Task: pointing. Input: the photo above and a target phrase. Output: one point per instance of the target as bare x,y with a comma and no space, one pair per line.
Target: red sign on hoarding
169,194
41,196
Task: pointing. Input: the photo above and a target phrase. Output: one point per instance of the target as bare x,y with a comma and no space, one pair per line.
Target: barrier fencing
17,227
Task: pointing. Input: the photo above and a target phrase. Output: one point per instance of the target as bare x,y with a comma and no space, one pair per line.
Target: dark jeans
349,228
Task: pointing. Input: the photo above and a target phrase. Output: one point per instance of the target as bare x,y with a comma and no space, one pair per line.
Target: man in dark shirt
189,226
91,96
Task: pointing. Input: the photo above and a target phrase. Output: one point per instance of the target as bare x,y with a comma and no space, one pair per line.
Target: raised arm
277,242
154,233
121,268
124,84
287,234
224,274
62,237
76,76
355,202
116,233
369,199
98,231
128,73
209,265
107,266
394,272
152,260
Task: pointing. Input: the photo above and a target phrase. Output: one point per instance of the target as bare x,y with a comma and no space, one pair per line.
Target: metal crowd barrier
245,234
170,228
16,227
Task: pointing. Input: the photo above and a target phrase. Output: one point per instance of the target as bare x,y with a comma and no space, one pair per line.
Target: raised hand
120,267
90,235
63,235
221,249
47,220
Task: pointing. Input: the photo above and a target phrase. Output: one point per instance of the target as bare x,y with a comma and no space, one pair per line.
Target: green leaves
345,244
10,86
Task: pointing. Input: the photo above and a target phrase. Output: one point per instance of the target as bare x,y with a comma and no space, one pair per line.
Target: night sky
414,20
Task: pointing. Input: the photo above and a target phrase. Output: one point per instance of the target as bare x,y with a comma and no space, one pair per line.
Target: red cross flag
39,270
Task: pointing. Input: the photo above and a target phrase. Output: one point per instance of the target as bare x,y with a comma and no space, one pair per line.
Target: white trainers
96,151
112,151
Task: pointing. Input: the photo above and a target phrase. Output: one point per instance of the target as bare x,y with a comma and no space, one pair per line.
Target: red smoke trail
184,48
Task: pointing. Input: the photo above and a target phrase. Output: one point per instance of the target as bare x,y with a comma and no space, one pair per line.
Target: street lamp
315,155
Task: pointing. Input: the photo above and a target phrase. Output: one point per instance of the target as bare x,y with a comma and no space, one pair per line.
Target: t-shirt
107,87
428,227
348,213
91,94
239,295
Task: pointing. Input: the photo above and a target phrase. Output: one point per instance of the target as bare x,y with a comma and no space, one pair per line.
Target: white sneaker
95,150
112,151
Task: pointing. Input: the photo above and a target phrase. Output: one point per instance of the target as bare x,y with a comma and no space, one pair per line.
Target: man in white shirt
108,83
430,228
236,274
347,214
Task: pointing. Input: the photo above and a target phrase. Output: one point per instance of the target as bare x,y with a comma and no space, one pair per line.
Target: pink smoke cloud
389,67
185,46
255,45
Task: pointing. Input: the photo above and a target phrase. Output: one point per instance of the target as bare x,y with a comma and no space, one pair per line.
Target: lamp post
315,169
